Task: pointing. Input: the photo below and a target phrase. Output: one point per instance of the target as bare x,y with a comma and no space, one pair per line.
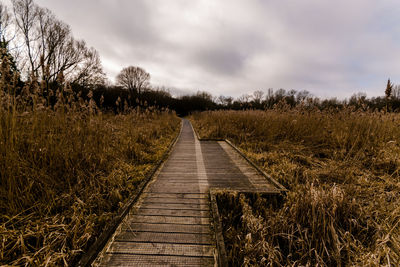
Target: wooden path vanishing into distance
170,224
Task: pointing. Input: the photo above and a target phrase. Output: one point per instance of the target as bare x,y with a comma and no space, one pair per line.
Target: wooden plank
161,249
183,183
155,260
177,188
176,200
168,219
174,212
161,237
196,206
176,195
166,228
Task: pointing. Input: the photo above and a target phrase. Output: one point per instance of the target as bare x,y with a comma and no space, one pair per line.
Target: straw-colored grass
66,170
342,169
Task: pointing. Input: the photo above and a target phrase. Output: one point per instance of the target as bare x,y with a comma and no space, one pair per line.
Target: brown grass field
342,172
66,171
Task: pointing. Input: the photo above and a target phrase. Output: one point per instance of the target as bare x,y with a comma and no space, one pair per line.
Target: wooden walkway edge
170,224
88,258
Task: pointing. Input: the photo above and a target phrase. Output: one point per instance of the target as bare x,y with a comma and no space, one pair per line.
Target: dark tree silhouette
134,79
388,93
389,88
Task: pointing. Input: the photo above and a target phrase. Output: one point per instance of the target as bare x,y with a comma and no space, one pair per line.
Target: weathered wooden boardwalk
171,223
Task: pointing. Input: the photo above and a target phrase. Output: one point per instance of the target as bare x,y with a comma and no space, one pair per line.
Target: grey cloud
235,47
220,61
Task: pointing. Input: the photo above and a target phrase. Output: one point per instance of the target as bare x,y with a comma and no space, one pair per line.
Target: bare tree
59,51
134,79
5,22
396,92
51,48
225,100
257,96
269,98
302,96
8,67
25,12
90,71
244,98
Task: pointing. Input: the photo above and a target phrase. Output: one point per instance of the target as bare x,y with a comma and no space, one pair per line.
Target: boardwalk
170,224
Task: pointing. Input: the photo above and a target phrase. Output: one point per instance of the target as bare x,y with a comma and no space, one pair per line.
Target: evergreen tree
388,93
6,56
389,88
9,74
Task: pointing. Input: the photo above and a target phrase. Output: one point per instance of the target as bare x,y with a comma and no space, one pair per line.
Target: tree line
292,98
37,47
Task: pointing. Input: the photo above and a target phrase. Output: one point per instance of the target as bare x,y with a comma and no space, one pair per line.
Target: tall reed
66,168
342,172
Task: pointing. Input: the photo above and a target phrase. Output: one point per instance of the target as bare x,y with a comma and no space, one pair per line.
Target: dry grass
66,170
342,172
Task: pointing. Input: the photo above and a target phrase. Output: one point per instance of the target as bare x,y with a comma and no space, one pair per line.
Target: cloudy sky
232,47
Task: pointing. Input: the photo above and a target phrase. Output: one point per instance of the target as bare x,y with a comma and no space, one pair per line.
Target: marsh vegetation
341,169
66,169
74,148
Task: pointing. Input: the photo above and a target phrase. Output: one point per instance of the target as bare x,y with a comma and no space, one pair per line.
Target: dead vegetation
66,169
342,172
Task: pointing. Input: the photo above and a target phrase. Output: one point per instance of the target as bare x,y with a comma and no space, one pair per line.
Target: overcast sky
232,47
